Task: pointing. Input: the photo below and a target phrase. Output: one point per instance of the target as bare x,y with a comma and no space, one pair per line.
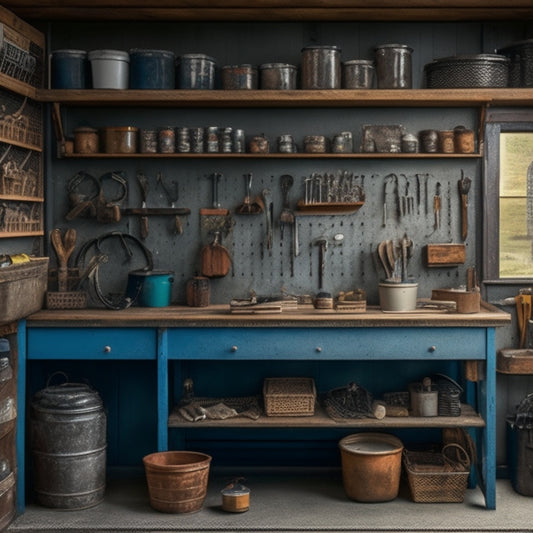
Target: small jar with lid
259,144
167,140
86,140
286,144
358,74
321,67
315,144
212,141
278,76
446,141
238,77
148,141
429,141
393,66
409,143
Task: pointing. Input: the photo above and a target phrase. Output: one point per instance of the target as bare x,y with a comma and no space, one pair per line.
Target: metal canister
196,71
183,142
197,140
212,141
286,144
86,140
429,141
239,77
198,292
239,143
342,143
321,67
148,141
409,143
315,144
446,141
68,445
226,140
167,140
393,66
278,76
464,140
358,74
259,145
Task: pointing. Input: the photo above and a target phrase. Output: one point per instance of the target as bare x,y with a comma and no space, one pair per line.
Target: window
508,213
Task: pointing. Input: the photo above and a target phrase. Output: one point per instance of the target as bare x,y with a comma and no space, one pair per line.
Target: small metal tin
321,67
464,140
236,77
339,144
235,498
119,140
196,71
148,139
226,140
315,144
259,145
167,140
239,143
446,141
393,66
286,144
198,292
358,74
197,140
429,141
183,142
212,141
278,76
86,140
409,143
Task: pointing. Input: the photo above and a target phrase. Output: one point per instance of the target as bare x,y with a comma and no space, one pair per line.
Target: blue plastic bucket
152,69
150,288
69,69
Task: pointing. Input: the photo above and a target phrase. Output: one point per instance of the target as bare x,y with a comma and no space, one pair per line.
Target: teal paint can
70,69
150,288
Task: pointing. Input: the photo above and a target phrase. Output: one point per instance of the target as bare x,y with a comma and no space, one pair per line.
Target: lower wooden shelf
469,418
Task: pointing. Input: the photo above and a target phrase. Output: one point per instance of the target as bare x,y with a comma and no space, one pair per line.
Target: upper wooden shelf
296,98
272,10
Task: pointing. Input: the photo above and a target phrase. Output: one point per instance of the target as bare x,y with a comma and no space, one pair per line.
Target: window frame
516,122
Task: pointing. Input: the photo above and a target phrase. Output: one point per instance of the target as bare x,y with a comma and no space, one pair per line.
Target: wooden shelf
10,234
272,10
293,99
26,146
468,418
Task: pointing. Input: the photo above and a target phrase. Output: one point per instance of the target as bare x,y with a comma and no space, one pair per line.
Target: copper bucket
177,481
371,466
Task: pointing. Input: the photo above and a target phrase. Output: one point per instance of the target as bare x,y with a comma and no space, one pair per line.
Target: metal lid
277,66
197,56
235,489
119,55
147,52
67,52
403,47
148,273
367,62
332,47
494,58
68,396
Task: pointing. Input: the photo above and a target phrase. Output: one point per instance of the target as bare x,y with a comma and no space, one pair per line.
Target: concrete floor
284,502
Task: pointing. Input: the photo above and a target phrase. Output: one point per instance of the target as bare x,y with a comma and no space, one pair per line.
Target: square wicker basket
289,396
435,478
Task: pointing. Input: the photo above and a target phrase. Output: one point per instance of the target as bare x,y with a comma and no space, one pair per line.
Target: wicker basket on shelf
438,477
289,396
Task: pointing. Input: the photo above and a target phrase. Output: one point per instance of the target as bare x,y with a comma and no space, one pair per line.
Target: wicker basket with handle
289,396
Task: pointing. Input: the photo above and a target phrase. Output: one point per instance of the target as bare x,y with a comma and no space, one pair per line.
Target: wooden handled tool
464,188
64,248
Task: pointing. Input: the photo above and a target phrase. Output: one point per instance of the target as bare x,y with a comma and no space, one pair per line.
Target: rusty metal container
198,292
236,77
358,74
321,67
68,446
86,140
278,76
177,480
371,466
119,139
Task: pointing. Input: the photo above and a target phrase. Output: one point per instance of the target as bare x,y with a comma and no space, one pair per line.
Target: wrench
269,211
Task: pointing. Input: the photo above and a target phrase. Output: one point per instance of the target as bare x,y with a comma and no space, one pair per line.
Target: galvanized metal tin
152,69
236,77
68,444
278,76
321,67
394,66
358,74
196,71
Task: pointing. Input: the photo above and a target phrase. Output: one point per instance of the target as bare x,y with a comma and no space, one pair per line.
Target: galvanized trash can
68,446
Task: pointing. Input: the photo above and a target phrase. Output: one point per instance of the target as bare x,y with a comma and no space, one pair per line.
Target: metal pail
68,445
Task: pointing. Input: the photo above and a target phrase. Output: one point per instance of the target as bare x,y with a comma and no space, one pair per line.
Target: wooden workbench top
220,316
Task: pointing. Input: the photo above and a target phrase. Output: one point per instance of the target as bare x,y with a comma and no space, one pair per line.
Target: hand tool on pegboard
464,188
172,197
143,184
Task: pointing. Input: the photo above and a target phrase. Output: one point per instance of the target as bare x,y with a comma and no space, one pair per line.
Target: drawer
92,343
327,343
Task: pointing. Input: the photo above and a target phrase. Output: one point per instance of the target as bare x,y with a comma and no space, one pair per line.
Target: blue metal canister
70,69
152,69
196,71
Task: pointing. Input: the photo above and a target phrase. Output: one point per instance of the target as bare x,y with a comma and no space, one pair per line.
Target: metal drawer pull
318,348
234,348
107,349
432,348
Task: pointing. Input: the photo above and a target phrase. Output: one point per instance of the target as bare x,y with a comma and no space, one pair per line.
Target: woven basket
435,477
520,55
461,72
66,300
289,396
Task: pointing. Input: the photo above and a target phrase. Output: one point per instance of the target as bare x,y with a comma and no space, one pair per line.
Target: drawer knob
319,349
234,348
433,348
107,349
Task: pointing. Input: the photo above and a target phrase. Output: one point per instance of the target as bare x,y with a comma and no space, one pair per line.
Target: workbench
178,342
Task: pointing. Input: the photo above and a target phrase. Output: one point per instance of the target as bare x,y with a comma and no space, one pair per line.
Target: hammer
322,243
